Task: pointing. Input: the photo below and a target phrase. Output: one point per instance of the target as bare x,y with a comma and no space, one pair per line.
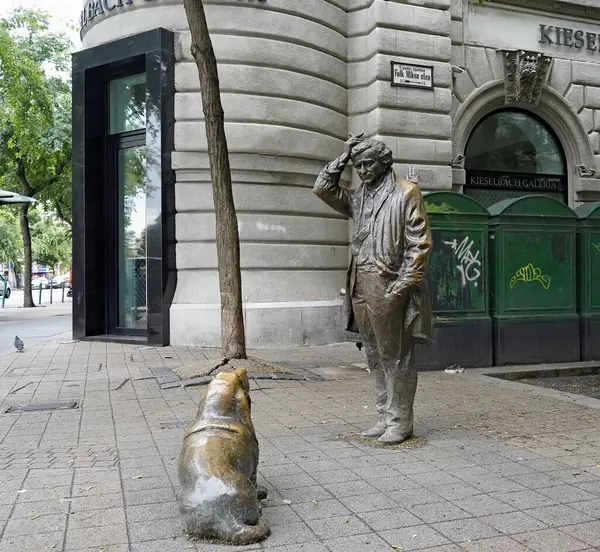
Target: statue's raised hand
349,144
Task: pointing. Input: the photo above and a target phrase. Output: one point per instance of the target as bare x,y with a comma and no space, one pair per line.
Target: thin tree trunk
233,341
24,219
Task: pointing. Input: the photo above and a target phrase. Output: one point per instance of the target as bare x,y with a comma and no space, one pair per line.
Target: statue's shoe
374,432
394,436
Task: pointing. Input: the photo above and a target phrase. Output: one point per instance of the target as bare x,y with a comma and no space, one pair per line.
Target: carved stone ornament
584,172
458,162
525,75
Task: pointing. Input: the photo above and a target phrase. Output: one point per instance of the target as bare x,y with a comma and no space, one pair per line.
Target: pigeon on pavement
19,345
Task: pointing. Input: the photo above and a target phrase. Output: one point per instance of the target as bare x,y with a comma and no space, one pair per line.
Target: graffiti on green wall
469,264
529,273
456,271
597,246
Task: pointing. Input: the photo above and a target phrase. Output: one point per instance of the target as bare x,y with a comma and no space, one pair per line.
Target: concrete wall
283,76
414,123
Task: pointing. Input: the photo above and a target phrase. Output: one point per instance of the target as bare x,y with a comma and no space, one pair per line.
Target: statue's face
369,167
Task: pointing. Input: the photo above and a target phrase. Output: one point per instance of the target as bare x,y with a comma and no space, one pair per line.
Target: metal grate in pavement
67,405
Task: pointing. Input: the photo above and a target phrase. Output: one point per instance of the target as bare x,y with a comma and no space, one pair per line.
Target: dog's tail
248,534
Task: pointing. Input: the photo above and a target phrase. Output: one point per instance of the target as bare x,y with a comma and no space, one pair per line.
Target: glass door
127,267
131,237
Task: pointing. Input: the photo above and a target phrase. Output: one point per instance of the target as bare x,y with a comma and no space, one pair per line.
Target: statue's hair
377,148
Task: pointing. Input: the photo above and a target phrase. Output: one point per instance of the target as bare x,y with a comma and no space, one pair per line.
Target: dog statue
219,496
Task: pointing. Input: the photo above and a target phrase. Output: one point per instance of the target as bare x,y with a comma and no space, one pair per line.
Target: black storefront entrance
512,153
123,189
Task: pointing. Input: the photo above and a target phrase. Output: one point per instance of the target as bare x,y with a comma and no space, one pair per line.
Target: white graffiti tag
469,263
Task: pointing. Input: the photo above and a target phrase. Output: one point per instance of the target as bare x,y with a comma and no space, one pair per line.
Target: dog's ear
242,375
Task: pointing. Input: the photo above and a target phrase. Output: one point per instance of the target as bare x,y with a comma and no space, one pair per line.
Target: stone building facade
296,78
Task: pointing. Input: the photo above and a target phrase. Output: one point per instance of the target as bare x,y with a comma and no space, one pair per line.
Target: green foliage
35,109
439,207
51,240
11,244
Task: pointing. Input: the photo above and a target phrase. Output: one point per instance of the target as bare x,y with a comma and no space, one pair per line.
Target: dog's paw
262,492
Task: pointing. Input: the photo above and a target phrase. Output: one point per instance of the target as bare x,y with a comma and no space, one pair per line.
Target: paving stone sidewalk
502,467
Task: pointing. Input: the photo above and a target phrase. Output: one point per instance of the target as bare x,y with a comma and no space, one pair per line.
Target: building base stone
267,325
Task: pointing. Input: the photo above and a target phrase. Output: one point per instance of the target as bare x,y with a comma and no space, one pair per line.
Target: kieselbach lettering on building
516,182
563,36
98,8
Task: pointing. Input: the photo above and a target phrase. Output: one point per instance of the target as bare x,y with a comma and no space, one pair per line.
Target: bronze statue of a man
386,289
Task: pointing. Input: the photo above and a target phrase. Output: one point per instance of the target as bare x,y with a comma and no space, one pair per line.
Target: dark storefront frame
93,211
485,181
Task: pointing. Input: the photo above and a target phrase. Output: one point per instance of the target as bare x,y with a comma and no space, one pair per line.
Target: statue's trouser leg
361,313
385,317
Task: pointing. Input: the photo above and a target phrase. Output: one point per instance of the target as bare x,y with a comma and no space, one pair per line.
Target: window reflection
132,283
513,142
128,103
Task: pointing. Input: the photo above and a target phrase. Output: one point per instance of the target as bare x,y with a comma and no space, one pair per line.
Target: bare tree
233,341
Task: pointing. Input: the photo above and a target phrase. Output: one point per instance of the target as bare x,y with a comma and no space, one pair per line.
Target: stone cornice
583,9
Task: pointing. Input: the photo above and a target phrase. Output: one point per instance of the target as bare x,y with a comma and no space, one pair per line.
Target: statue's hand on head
349,144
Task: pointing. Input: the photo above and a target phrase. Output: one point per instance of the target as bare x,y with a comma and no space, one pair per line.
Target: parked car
2,280
58,281
35,282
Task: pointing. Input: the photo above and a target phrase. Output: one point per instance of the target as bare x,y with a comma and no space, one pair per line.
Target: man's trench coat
402,242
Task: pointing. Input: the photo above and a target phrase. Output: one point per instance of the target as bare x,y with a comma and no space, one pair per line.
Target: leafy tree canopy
11,244
51,241
35,109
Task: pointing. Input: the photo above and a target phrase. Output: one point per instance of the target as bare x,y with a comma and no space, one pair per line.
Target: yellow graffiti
530,274
597,246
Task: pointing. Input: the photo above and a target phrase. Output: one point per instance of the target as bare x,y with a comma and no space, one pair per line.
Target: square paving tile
36,524
152,496
368,503
523,500
414,538
155,530
335,476
566,494
350,488
341,526
368,542
495,544
513,522
291,533
320,509
304,547
292,481
151,512
305,494
550,539
394,518
483,505
32,542
559,515
430,479
411,497
394,483
96,518
589,507
439,511
95,537
465,529
455,491
280,515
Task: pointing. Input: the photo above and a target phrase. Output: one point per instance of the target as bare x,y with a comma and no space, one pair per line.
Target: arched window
511,153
